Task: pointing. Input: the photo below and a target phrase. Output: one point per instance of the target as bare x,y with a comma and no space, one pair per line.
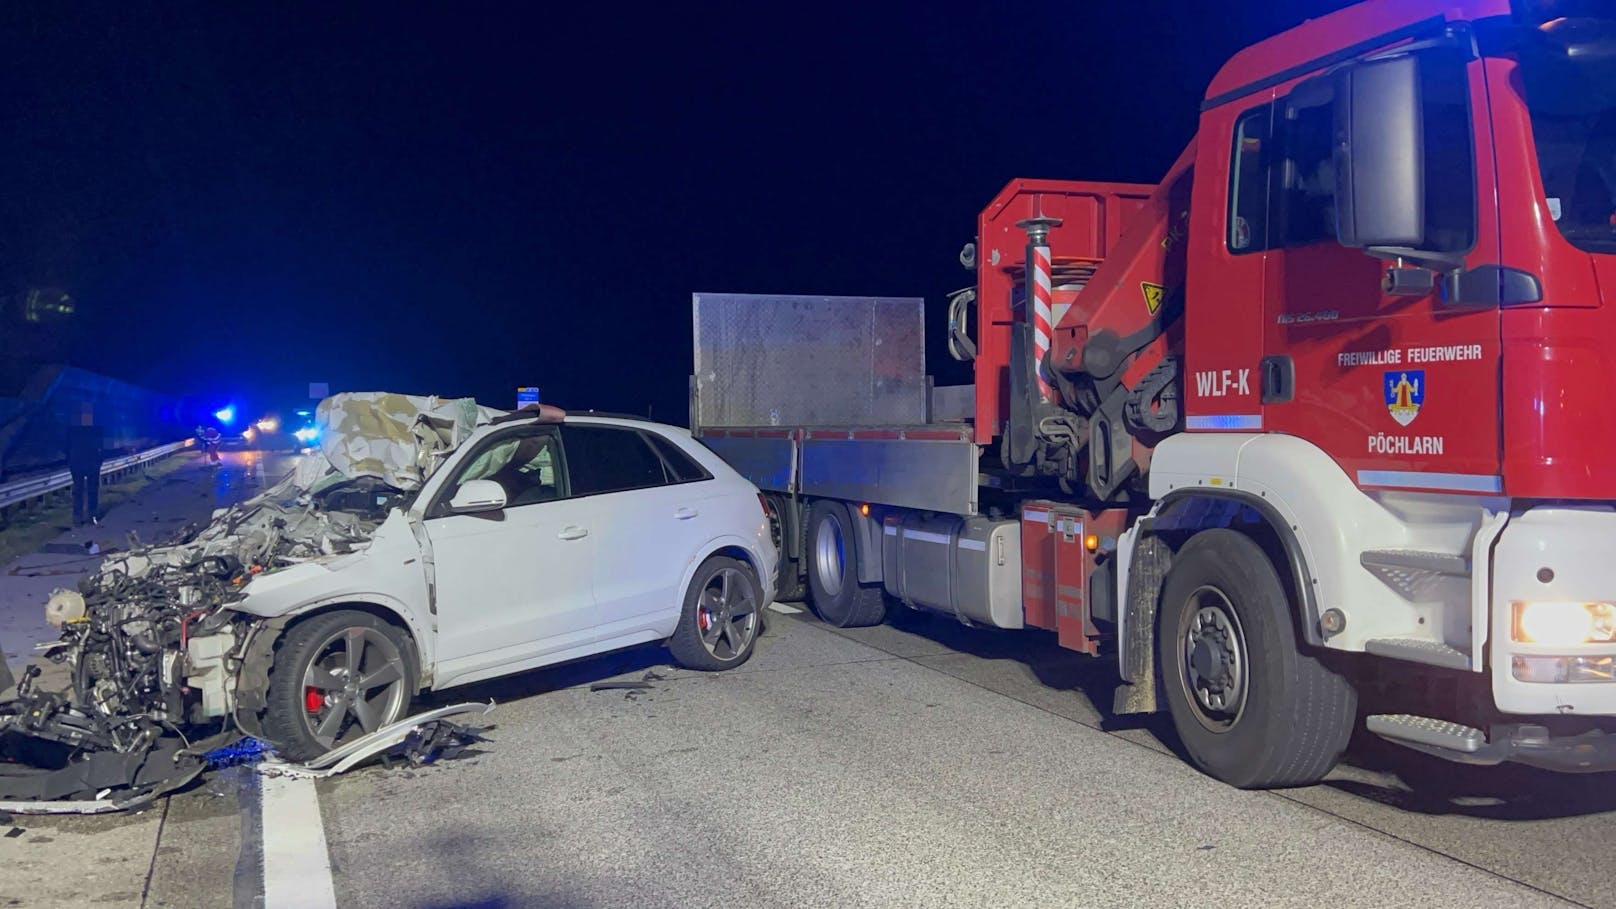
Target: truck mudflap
1593,751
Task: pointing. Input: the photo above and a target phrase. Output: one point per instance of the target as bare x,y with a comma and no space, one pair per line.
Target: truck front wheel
1251,708
832,557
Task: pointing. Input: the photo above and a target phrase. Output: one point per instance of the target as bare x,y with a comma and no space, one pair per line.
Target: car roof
592,417
618,419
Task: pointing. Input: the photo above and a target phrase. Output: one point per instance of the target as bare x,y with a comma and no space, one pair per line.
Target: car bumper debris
421,739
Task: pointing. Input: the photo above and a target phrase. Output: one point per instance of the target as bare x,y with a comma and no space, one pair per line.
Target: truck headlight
1562,669
1564,624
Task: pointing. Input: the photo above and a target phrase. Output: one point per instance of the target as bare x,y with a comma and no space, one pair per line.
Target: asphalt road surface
913,764
916,764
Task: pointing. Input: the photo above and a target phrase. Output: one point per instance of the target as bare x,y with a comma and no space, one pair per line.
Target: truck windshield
1569,69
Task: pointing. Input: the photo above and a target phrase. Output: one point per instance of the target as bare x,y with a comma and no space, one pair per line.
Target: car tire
1251,707
311,706
832,557
722,617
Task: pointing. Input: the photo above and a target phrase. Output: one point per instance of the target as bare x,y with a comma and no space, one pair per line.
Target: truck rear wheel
1251,708
790,585
832,557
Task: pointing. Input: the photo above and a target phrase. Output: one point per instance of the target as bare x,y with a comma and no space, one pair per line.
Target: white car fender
754,558
388,573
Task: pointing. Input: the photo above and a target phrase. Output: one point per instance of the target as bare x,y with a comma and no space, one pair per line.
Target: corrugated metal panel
764,360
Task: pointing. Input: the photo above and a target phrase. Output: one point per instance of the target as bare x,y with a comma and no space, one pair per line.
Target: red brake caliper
704,619
313,699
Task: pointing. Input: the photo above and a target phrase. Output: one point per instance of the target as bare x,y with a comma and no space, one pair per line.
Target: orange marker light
1091,542
864,509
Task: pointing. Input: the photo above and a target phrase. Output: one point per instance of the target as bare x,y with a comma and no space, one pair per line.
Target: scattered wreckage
167,650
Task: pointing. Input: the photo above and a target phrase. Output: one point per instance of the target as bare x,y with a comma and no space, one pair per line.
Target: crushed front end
140,670
142,682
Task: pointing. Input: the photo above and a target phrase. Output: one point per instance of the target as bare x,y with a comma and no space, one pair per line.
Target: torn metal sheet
395,438
383,740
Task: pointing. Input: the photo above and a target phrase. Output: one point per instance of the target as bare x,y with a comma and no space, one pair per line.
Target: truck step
1412,572
1407,729
1419,650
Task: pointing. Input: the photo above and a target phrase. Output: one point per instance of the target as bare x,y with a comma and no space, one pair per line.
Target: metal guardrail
38,486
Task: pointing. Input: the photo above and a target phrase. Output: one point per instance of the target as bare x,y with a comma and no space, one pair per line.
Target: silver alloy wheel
354,685
829,555
727,614
1213,669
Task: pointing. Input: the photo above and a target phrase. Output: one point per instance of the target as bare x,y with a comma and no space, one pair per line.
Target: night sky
462,200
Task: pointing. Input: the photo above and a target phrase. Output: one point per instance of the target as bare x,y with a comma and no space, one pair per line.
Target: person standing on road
210,441
84,455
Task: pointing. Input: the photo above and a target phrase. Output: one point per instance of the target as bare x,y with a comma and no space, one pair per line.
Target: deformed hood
399,439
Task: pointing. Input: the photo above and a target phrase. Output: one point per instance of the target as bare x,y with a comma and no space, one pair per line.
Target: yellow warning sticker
1153,296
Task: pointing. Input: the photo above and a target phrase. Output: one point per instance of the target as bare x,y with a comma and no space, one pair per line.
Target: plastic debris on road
421,739
242,751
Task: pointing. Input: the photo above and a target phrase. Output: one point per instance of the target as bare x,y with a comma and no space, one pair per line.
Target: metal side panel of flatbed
768,460
780,361
926,468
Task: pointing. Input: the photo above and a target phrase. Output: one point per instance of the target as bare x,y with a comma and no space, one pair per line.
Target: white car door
513,584
650,523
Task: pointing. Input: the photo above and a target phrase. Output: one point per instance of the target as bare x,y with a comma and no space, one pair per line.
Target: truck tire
832,557
316,702
1250,707
791,585
722,617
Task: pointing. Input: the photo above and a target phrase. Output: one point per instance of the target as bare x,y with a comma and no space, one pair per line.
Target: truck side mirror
1379,154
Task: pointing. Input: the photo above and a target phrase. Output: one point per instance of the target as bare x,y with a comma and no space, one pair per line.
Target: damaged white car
427,543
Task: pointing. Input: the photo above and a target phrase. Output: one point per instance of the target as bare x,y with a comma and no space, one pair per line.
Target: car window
525,463
682,468
608,459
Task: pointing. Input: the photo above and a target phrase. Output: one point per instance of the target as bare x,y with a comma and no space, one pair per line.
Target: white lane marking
784,609
297,866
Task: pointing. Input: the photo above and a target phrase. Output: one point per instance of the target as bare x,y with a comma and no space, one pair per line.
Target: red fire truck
1320,409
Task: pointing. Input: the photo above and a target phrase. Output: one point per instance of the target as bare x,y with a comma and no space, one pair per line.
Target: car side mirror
476,496
1379,154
